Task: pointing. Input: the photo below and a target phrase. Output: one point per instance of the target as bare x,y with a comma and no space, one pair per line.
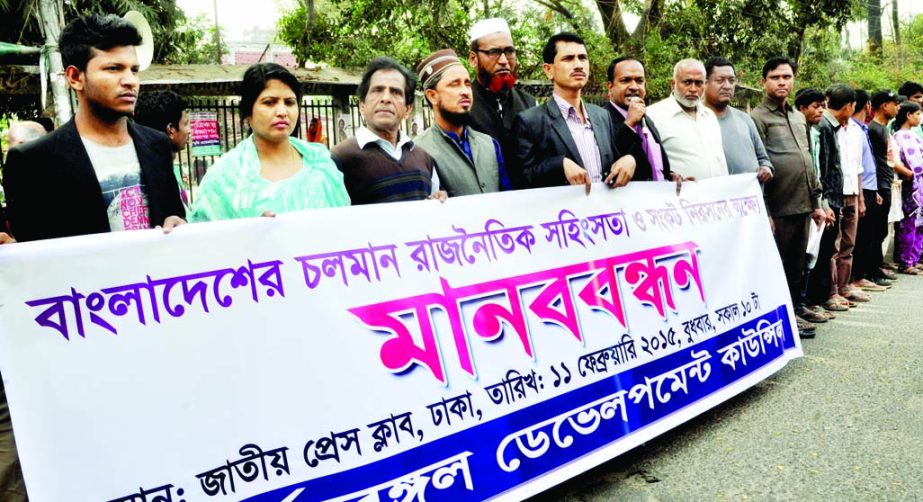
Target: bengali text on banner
488,347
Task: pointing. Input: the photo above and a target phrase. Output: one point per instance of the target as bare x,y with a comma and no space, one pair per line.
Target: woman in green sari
269,172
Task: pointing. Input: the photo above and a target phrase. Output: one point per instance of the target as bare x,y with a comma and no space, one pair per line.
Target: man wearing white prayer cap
497,99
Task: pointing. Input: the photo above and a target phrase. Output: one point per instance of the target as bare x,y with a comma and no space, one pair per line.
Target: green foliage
533,27
745,31
195,42
350,33
825,61
19,22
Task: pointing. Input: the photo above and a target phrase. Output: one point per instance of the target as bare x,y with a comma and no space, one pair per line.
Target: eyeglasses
509,52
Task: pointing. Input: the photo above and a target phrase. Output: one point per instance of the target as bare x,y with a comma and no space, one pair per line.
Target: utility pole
51,25
217,34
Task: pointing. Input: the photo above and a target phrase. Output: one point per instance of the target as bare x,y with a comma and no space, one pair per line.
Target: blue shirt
465,145
869,176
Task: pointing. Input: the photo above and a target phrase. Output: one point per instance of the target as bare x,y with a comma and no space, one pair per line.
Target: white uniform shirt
851,157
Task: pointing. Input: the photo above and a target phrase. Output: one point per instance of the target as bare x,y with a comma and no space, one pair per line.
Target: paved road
843,423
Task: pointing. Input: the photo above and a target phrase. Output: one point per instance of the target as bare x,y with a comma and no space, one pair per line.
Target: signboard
488,347
206,138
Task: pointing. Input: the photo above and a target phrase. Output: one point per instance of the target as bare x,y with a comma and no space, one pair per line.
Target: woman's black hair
255,79
907,107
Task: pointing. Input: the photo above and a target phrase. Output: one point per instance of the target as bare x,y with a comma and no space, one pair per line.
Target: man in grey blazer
567,141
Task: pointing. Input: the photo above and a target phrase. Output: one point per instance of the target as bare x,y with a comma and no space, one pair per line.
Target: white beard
685,102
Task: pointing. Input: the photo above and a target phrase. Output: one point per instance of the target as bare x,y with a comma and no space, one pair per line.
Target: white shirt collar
364,136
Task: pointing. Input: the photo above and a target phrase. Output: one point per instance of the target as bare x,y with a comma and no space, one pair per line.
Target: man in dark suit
567,140
98,172
635,134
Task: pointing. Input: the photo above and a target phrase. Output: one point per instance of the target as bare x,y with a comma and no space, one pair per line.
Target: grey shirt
743,147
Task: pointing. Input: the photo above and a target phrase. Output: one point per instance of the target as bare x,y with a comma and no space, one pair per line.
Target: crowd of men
827,160
826,157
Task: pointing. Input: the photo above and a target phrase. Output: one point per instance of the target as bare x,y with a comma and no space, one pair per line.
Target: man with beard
567,141
497,99
634,133
468,162
99,172
793,195
689,130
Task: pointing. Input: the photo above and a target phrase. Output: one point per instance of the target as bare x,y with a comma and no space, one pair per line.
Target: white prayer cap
488,26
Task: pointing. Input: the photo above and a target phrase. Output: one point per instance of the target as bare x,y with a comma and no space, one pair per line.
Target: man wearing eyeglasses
497,99
689,130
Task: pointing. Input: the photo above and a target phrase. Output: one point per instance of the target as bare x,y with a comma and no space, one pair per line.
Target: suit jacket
627,141
543,141
52,189
486,115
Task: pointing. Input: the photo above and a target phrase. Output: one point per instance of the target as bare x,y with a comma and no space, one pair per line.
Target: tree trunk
309,18
874,20
51,26
895,23
611,13
796,49
217,34
649,19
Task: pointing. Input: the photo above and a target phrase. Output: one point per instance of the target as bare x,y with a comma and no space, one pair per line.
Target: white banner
491,346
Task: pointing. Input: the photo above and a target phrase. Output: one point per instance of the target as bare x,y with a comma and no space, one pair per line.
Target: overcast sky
236,16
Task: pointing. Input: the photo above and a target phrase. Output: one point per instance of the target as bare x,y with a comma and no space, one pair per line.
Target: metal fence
323,120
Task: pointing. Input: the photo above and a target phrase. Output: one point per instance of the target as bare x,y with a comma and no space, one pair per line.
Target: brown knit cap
431,69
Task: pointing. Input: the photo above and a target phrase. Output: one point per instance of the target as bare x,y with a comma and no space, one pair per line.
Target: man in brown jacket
793,195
